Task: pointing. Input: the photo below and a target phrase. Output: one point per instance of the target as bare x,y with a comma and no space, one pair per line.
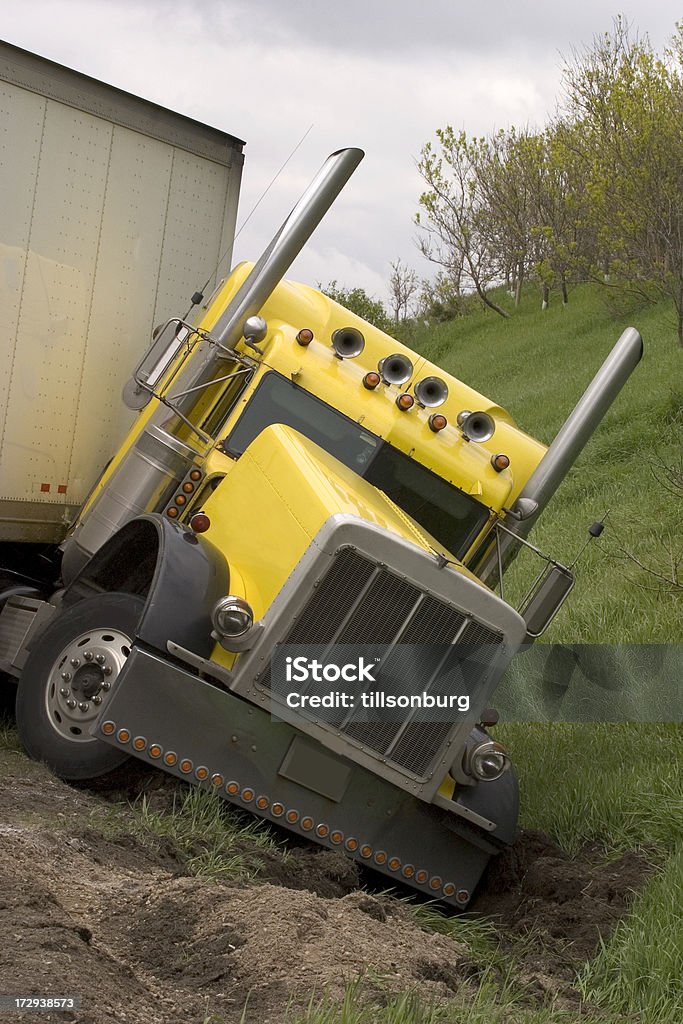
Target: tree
455,218
403,289
359,302
626,107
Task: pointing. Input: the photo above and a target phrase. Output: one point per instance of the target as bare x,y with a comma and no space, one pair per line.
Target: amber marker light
232,788
500,462
188,488
435,883
277,810
186,766
202,773
172,512
366,851
462,895
139,743
337,837
292,817
371,380
405,402
108,728
123,736
421,877
248,795
408,870
380,857
199,522
394,864
307,824
448,889
352,844
437,422
155,750
322,831
263,803
180,499
170,758
217,779
305,336
195,475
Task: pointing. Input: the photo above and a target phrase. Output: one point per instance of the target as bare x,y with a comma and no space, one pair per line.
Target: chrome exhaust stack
286,245
156,463
563,451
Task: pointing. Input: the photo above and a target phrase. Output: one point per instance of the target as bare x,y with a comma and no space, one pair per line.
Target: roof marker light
405,402
305,336
437,422
371,380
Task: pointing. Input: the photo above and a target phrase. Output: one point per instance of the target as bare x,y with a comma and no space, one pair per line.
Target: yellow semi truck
283,586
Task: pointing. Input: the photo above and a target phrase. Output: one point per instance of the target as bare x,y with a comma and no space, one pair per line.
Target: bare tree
403,289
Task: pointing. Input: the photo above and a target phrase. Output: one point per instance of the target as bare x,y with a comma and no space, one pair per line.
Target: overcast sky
379,74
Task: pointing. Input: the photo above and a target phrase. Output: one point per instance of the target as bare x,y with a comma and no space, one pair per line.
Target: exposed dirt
88,910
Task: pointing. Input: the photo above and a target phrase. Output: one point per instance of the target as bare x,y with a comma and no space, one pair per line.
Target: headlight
488,761
232,617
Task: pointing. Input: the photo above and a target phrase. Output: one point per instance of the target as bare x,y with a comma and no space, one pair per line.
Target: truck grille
358,601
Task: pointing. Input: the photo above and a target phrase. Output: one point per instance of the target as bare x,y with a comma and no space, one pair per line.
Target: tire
96,634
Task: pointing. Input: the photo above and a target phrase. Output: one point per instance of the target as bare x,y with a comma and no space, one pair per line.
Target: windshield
451,516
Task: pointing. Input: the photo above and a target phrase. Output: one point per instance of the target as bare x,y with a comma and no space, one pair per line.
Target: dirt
87,909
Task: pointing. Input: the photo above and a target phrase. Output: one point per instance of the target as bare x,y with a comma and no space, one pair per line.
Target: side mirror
154,364
546,598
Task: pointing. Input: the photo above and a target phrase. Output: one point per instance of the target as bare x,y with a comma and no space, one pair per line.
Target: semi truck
304,508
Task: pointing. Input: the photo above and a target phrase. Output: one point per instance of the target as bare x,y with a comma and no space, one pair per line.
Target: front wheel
69,677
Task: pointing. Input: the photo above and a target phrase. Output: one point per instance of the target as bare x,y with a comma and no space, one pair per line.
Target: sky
379,74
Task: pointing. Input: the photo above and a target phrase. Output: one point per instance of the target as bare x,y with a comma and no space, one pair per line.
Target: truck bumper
169,717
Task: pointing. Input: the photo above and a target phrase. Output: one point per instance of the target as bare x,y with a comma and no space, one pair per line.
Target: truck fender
180,576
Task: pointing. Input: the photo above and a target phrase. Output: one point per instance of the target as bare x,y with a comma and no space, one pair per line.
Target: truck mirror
546,598
165,346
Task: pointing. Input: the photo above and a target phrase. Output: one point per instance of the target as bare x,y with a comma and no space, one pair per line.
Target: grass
213,840
536,365
620,785
491,1003
640,970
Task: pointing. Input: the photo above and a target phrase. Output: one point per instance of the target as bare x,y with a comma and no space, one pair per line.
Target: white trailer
114,212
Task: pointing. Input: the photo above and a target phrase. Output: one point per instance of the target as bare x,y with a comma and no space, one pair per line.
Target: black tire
96,629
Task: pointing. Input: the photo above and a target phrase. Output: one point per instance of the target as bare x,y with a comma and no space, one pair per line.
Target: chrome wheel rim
82,680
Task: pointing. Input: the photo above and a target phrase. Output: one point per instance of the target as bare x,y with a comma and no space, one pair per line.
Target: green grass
213,840
490,1003
640,969
620,785
536,365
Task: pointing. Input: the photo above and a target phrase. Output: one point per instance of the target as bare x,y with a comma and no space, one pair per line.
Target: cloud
381,74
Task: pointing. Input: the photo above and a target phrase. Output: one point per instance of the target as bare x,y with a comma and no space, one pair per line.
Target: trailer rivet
65,691
84,706
234,739
107,670
97,700
66,676
88,655
75,662
100,659
71,704
106,687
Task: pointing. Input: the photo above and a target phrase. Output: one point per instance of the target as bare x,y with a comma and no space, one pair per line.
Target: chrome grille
358,601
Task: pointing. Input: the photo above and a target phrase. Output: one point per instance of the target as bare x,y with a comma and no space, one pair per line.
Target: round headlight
232,617
488,761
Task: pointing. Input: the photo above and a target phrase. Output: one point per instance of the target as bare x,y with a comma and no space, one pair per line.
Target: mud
90,910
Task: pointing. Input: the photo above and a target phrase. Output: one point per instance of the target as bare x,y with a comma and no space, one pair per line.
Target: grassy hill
536,365
617,786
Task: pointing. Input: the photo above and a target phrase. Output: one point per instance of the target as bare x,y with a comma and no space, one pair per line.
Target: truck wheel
67,681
